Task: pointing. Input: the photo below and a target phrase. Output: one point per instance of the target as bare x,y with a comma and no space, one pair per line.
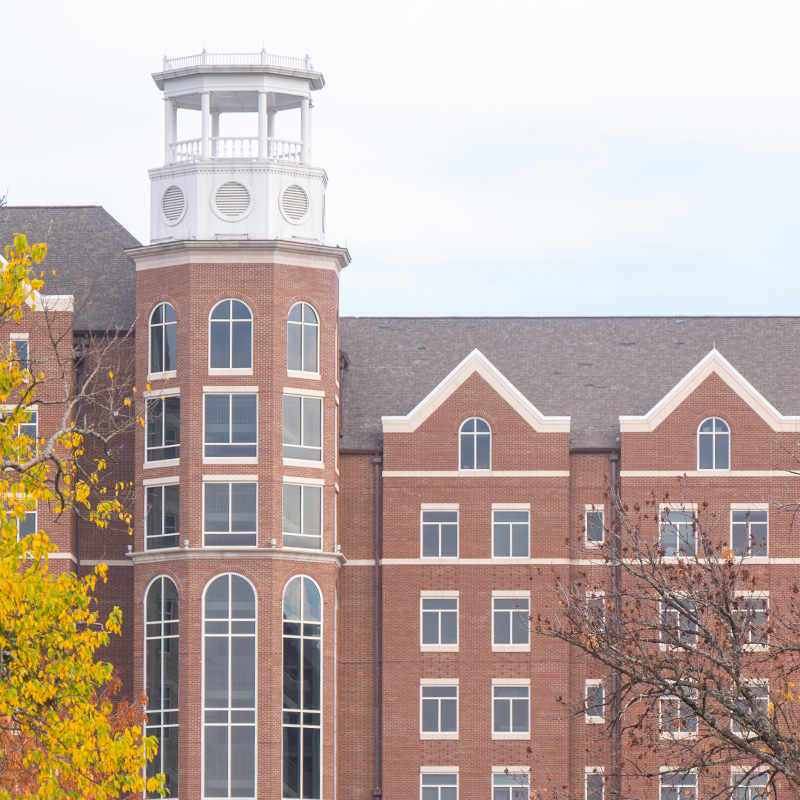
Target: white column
214,134
262,126
170,129
305,129
205,125
271,147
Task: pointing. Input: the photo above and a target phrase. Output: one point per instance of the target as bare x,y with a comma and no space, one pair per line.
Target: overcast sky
546,157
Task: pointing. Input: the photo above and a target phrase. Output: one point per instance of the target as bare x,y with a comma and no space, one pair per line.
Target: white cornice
235,554
476,362
715,363
51,302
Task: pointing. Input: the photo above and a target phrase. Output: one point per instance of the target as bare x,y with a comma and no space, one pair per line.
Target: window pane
594,527
502,627
449,626
722,451
311,764
430,628
217,507
294,345
291,419
240,345
220,344
170,346
310,349
312,607
243,504
243,414
312,422
706,447
216,761
217,418
243,656
311,674
243,762
216,695
467,451
449,541
156,349
502,716
312,510
291,508
483,455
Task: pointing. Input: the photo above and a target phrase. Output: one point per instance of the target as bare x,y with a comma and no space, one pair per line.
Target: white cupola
253,186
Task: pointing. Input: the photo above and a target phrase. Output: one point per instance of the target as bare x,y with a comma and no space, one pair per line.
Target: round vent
232,200
173,204
294,203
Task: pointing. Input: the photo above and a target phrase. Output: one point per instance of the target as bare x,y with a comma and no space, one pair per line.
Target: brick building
340,521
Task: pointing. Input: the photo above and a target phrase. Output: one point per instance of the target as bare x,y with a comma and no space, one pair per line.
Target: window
30,427
439,534
595,783
230,426
26,520
749,533
748,785
596,608
229,688
510,622
678,786
713,444
678,532
510,534
676,719
302,427
475,444
230,514
163,428
442,786
594,525
230,336
438,709
302,689
27,524
161,678
163,339
678,623
439,623
302,516
512,786
595,701
162,512
20,350
510,710
302,339
752,616
753,703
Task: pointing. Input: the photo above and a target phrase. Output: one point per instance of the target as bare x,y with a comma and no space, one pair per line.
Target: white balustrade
234,147
237,148
237,59
284,150
187,150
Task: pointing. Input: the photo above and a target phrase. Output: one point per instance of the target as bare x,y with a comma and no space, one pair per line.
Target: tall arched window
229,689
302,689
163,338
713,444
230,336
161,678
302,339
475,444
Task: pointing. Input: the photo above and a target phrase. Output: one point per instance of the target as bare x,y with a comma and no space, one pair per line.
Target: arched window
713,444
475,444
230,336
302,339
302,689
163,338
161,678
229,688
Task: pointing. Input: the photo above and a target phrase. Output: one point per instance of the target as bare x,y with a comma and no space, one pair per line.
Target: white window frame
169,373
426,647
502,508
593,683
20,337
305,485
34,511
475,435
752,682
714,435
442,683
595,595
759,771
679,644
161,484
686,733
747,508
302,373
227,480
499,594
439,507
509,683
592,772
291,461
517,778
230,392
161,397
433,771
593,508
744,594
664,510
231,370
672,770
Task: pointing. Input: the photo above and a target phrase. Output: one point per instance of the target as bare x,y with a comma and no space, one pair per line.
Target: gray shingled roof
86,247
593,368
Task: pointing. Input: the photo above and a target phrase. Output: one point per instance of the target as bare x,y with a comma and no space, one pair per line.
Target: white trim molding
716,363
476,362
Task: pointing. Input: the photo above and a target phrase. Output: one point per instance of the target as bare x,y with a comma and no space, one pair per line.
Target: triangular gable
476,362
714,362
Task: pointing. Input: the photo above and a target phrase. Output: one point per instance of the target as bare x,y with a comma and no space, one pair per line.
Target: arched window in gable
302,689
475,444
161,678
713,444
230,334
302,339
163,339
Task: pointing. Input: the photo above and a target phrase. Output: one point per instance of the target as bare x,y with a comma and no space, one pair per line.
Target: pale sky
546,157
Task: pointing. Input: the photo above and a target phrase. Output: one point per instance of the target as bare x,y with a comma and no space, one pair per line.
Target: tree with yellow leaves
61,733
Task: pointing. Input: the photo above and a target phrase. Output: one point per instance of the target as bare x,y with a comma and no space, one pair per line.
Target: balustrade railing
187,150
236,148
237,59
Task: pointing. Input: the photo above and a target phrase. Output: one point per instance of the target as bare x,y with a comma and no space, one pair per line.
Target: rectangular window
439,622
511,622
596,608
753,618
511,709
512,786
511,534
678,625
439,534
162,527
753,702
163,428
230,514
439,709
676,719
595,783
302,516
230,426
594,523
678,786
749,533
595,701
752,786
678,529
440,786
20,350
302,427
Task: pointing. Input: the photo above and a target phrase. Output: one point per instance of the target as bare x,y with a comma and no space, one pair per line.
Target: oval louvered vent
294,203
232,200
173,204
